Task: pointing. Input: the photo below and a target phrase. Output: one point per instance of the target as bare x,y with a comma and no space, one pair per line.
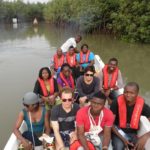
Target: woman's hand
27,145
51,100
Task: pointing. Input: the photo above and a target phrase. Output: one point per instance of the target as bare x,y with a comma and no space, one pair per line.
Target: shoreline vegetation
125,19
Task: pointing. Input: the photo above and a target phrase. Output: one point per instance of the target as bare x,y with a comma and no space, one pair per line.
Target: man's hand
82,99
107,92
142,141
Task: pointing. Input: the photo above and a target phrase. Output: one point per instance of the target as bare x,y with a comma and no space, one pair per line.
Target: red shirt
82,118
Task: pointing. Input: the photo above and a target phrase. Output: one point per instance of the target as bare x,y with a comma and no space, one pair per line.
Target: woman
36,119
65,77
46,87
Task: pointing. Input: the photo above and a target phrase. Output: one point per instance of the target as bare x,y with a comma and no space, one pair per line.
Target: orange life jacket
106,77
87,57
71,60
76,144
134,123
43,87
65,81
58,62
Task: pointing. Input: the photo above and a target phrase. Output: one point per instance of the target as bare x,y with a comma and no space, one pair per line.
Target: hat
31,98
99,95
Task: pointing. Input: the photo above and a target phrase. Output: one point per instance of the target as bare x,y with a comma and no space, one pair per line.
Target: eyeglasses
65,100
91,75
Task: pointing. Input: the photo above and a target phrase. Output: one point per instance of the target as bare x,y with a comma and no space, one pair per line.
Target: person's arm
47,123
59,84
81,137
96,87
119,81
91,59
59,140
126,142
18,134
101,80
142,141
37,87
79,87
106,137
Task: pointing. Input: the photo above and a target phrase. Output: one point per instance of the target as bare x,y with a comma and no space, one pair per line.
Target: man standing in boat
71,42
128,109
111,80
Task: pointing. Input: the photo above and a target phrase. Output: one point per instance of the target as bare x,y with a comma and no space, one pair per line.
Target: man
95,120
87,85
111,80
63,119
57,61
71,42
84,59
127,110
71,60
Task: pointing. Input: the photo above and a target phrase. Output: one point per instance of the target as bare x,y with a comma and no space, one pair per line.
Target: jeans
119,145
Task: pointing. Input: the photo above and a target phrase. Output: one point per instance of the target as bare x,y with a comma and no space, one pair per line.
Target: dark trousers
28,135
119,145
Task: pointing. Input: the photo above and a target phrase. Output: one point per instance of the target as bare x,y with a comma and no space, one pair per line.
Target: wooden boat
13,143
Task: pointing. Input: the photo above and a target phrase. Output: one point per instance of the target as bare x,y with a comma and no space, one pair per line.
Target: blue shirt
84,65
38,127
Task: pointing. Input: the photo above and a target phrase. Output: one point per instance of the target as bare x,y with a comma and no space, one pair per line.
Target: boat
13,143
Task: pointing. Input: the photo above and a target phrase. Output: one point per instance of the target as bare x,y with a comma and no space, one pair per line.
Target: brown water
25,49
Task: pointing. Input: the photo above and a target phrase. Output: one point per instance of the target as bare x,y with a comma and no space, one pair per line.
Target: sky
32,1
35,1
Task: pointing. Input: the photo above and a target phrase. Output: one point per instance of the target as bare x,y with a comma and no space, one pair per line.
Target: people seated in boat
87,85
111,80
94,123
57,61
65,77
46,86
127,110
84,58
36,118
73,41
71,60
63,119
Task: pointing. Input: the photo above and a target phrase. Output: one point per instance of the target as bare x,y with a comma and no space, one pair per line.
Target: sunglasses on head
91,75
65,100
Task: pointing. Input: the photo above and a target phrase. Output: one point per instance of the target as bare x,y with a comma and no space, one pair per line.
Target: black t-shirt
38,89
66,120
114,109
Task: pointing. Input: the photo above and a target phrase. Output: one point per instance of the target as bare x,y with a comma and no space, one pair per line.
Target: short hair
113,59
47,69
134,84
100,95
71,47
64,65
84,45
79,36
89,68
67,90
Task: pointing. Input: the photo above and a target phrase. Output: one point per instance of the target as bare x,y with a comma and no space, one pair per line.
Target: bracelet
104,147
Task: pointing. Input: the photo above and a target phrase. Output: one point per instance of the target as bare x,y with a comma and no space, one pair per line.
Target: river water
25,49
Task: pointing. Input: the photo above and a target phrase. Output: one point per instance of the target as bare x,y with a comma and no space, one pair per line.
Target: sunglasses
89,75
65,100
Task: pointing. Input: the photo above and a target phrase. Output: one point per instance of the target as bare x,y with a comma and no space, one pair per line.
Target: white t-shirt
67,44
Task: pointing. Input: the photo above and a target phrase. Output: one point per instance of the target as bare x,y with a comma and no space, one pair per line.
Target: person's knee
117,144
